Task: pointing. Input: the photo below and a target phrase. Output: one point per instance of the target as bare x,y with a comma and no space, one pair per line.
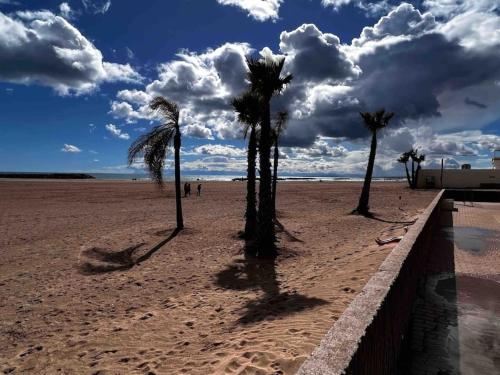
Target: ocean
209,177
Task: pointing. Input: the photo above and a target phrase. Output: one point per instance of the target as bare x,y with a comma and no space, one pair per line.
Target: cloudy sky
76,77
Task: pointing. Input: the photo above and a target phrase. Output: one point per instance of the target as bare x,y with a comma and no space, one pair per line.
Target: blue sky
76,76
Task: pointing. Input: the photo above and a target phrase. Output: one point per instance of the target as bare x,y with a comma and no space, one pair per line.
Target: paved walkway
456,324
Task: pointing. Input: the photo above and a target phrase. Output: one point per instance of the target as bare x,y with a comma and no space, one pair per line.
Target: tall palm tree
266,81
412,154
415,157
247,106
280,124
153,147
374,122
404,158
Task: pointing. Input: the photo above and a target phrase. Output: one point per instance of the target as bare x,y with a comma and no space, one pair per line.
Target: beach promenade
456,322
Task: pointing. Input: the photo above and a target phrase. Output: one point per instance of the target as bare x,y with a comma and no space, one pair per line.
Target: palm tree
404,158
415,157
153,147
247,106
374,122
266,81
412,154
280,124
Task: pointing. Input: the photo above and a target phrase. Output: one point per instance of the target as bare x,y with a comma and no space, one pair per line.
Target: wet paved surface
455,327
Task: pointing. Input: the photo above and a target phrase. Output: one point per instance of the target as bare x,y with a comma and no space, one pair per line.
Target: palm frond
167,109
247,106
377,120
404,158
152,147
265,75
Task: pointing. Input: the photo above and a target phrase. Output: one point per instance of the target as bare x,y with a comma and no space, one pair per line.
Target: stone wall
368,337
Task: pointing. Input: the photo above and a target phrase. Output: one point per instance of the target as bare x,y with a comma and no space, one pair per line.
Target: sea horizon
215,177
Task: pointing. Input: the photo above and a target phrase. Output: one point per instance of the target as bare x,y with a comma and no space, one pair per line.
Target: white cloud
260,10
39,47
371,8
126,111
320,148
217,149
134,96
117,132
202,84
197,131
404,21
65,10
96,6
70,148
130,53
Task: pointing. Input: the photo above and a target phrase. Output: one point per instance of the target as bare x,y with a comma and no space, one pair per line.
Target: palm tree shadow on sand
101,260
280,228
371,215
253,274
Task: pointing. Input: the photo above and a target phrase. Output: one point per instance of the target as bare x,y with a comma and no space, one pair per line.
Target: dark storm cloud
313,55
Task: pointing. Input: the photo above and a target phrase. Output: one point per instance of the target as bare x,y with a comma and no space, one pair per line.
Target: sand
73,302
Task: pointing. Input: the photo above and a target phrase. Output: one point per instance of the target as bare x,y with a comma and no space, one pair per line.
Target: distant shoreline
46,176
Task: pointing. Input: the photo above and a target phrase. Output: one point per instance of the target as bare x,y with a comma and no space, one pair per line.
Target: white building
465,178
496,159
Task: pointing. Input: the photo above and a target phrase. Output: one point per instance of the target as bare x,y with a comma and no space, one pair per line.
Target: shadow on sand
372,216
254,274
281,229
101,260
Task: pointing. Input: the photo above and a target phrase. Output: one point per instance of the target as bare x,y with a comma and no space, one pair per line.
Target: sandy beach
74,301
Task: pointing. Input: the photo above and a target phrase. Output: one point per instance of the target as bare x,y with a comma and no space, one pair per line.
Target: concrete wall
367,338
459,179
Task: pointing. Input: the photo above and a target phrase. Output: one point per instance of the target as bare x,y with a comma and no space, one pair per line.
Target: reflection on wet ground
455,326
470,239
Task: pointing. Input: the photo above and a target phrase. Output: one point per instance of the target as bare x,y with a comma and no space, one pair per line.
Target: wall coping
339,346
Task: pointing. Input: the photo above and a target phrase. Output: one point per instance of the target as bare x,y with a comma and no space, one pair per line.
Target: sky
76,78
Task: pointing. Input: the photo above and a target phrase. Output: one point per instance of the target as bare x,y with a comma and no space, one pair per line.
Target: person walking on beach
199,190
186,189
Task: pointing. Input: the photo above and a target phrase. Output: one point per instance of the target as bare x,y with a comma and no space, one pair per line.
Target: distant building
464,178
496,159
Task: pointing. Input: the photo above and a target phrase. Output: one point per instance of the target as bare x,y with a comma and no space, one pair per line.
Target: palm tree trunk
275,176
266,236
178,204
408,175
416,176
251,210
412,174
365,193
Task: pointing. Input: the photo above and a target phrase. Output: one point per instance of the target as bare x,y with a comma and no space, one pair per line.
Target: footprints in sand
31,350
145,361
146,316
